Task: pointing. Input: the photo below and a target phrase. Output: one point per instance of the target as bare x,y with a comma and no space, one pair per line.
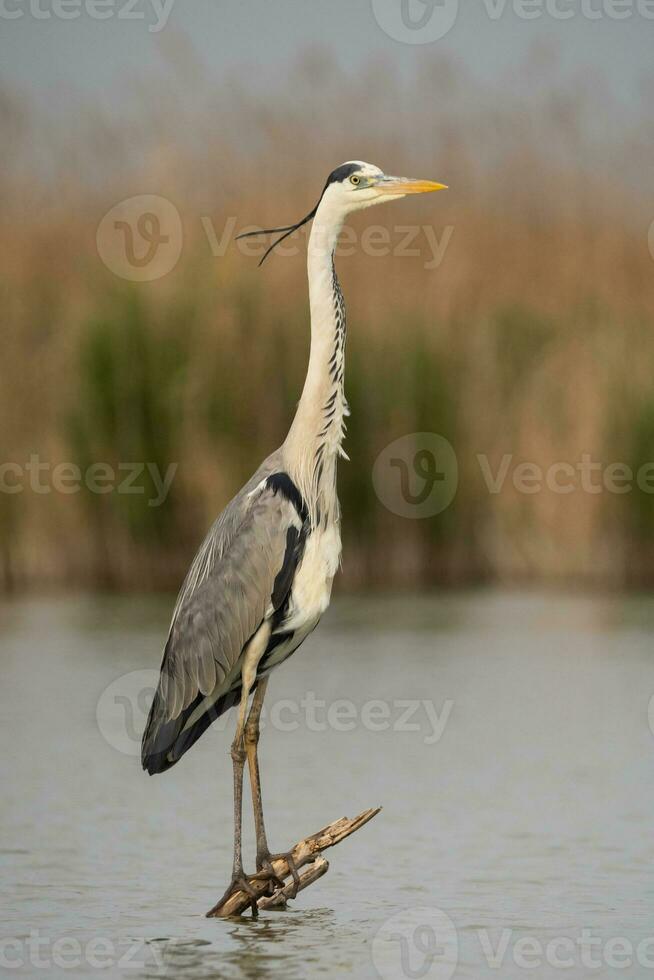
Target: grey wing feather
226,594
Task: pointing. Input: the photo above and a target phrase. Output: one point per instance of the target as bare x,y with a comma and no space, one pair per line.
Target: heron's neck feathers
314,441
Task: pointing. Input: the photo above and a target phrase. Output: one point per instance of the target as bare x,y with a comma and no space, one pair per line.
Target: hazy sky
52,56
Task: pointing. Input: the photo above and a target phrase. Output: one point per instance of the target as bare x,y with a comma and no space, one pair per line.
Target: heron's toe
239,883
266,872
266,861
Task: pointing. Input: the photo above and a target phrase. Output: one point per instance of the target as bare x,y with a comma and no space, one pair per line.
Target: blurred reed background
533,336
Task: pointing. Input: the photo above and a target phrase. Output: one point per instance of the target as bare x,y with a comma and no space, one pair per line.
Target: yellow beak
405,185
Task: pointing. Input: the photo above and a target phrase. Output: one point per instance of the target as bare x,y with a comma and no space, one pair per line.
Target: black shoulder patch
342,173
284,578
282,483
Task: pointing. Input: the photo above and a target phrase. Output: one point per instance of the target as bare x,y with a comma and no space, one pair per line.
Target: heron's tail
166,740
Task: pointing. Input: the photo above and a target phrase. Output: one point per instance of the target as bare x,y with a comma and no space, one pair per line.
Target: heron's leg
252,730
239,880
251,656
238,762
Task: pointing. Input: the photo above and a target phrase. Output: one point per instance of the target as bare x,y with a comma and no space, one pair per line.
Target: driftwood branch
306,852
313,871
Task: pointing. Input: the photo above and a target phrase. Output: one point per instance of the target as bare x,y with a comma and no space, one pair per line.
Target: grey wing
240,576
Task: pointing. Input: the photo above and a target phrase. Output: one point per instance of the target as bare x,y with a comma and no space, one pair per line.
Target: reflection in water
526,816
287,945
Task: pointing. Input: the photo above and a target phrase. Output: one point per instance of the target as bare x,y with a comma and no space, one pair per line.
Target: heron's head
353,186
356,185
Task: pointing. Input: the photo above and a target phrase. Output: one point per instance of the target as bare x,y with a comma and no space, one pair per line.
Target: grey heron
263,576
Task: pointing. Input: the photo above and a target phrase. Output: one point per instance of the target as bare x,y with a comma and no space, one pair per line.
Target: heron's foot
266,872
239,883
265,867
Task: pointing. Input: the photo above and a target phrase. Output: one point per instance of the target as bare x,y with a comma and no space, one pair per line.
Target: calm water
506,737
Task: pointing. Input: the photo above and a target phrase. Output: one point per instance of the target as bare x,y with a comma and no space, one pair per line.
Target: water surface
507,738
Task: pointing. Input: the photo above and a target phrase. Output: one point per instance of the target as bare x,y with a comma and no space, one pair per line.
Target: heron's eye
355,179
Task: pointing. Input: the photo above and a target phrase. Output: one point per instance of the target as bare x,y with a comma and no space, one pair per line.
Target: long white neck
314,440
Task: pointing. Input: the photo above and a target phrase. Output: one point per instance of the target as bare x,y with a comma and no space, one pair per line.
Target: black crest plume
288,230
341,173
